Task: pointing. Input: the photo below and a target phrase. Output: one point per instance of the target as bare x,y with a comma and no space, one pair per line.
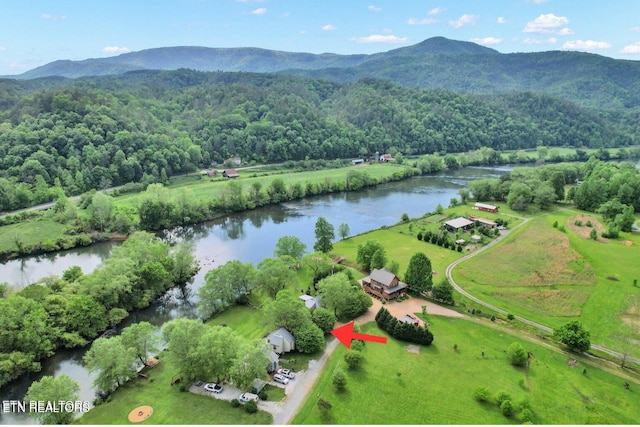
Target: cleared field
30,233
435,386
552,277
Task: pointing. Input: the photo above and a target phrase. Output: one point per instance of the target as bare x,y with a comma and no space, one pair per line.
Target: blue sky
35,32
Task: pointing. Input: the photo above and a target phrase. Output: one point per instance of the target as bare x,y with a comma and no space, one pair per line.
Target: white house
281,340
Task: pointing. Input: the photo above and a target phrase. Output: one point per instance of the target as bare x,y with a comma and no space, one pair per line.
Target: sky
36,32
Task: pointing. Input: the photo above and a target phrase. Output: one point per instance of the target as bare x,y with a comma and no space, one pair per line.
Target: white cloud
373,8
2,48
250,1
538,1
463,21
379,38
285,15
550,40
635,29
487,40
425,21
501,20
565,32
436,11
586,45
113,50
632,48
53,17
328,27
545,24
259,11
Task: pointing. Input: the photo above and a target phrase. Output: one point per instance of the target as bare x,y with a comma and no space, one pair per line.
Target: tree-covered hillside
146,125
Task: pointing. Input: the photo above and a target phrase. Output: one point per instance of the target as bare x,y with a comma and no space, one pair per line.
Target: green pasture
395,386
552,277
30,233
170,405
208,188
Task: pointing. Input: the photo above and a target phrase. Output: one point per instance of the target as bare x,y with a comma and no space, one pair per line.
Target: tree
419,273
574,336
520,195
343,230
339,295
378,260
544,195
185,263
142,338
250,364
101,210
224,286
113,362
291,246
506,407
443,291
274,274
214,355
319,263
325,407
353,359
324,319
339,380
287,311
50,389
366,251
182,336
517,355
309,338
324,236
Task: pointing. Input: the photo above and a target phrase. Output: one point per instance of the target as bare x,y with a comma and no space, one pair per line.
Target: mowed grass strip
399,247
30,233
170,405
395,386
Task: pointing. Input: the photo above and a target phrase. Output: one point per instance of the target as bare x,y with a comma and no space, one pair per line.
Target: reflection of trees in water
185,233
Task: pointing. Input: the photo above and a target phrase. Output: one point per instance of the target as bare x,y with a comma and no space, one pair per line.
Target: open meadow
552,277
436,385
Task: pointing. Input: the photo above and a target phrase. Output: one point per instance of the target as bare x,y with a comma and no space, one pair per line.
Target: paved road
499,310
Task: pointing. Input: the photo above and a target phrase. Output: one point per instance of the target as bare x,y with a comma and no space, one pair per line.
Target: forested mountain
436,63
237,59
143,126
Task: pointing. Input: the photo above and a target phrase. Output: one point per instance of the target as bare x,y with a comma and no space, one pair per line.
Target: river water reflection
248,237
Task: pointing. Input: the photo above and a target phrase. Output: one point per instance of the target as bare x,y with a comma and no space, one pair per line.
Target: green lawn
552,277
394,386
30,233
170,405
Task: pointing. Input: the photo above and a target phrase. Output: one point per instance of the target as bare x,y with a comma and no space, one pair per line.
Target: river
249,237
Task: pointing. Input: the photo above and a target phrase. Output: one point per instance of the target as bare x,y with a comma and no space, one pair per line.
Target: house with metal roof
281,340
384,284
460,223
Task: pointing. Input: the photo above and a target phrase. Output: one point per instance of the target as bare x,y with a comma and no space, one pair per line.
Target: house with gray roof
460,223
281,340
310,302
384,284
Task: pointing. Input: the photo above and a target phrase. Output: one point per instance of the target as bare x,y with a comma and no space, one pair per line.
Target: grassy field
208,188
170,405
552,277
30,233
395,386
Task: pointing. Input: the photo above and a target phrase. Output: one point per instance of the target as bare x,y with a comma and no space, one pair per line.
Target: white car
213,388
280,379
246,397
286,373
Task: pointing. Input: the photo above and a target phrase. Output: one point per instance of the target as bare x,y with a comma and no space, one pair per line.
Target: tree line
69,311
97,133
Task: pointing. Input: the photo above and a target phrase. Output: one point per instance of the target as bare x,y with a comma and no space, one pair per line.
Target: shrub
593,234
517,355
501,397
510,316
482,394
339,380
235,403
263,395
183,387
506,408
353,359
555,224
324,406
357,345
589,224
251,407
526,416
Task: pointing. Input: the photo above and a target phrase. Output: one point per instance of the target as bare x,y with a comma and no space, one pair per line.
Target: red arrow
345,334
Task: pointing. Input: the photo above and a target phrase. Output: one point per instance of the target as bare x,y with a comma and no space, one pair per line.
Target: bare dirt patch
409,306
583,230
631,316
415,349
627,242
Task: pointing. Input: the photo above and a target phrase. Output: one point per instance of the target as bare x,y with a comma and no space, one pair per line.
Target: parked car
286,373
245,397
280,379
213,388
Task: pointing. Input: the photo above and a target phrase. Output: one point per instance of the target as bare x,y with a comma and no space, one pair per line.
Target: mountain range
588,80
